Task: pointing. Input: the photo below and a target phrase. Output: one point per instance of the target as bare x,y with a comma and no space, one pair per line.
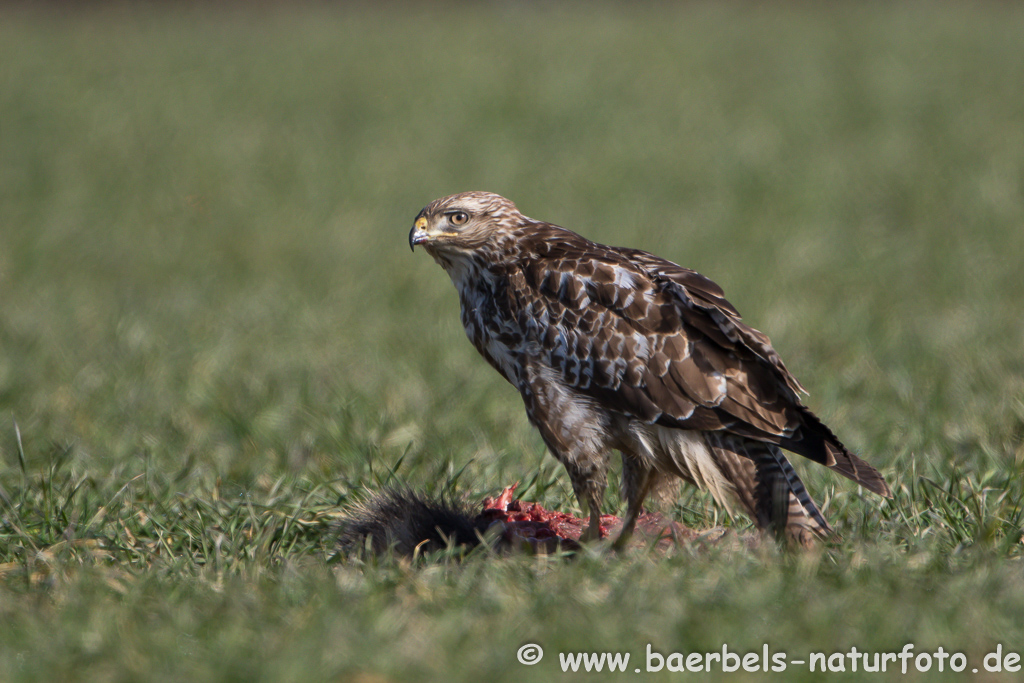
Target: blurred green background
205,280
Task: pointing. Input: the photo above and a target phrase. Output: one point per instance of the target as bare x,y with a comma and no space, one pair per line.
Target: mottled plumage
617,349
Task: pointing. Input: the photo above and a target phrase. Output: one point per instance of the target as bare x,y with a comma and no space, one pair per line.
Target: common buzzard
617,349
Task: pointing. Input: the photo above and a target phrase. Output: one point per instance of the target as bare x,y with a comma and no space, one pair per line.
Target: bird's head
460,224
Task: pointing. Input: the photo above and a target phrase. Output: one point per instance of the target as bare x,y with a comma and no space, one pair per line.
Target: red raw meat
530,525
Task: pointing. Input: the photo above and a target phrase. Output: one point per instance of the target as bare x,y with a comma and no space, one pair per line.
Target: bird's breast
492,328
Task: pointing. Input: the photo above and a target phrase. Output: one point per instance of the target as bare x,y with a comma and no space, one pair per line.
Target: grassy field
213,335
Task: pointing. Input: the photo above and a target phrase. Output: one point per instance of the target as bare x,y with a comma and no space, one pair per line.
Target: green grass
213,335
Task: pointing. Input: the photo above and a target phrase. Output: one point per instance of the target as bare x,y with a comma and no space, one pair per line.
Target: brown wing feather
723,320
659,342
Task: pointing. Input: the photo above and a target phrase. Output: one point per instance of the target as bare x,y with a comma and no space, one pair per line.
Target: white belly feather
682,452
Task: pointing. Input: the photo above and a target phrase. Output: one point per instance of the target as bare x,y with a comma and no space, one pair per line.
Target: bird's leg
589,483
593,530
637,480
585,459
628,525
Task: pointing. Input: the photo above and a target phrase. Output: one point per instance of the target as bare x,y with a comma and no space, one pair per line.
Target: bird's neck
469,268
462,267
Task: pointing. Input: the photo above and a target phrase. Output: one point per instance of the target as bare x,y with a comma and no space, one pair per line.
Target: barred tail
769,489
802,519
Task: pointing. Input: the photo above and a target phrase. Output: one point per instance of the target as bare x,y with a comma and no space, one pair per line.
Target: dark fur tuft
403,521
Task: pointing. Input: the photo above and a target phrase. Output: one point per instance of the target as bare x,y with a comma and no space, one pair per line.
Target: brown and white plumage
618,349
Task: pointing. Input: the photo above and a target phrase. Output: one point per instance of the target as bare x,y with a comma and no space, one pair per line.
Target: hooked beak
418,234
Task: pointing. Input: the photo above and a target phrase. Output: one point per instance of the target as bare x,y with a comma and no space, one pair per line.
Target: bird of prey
618,349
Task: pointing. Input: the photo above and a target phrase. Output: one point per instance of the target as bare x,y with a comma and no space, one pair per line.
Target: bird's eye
458,217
